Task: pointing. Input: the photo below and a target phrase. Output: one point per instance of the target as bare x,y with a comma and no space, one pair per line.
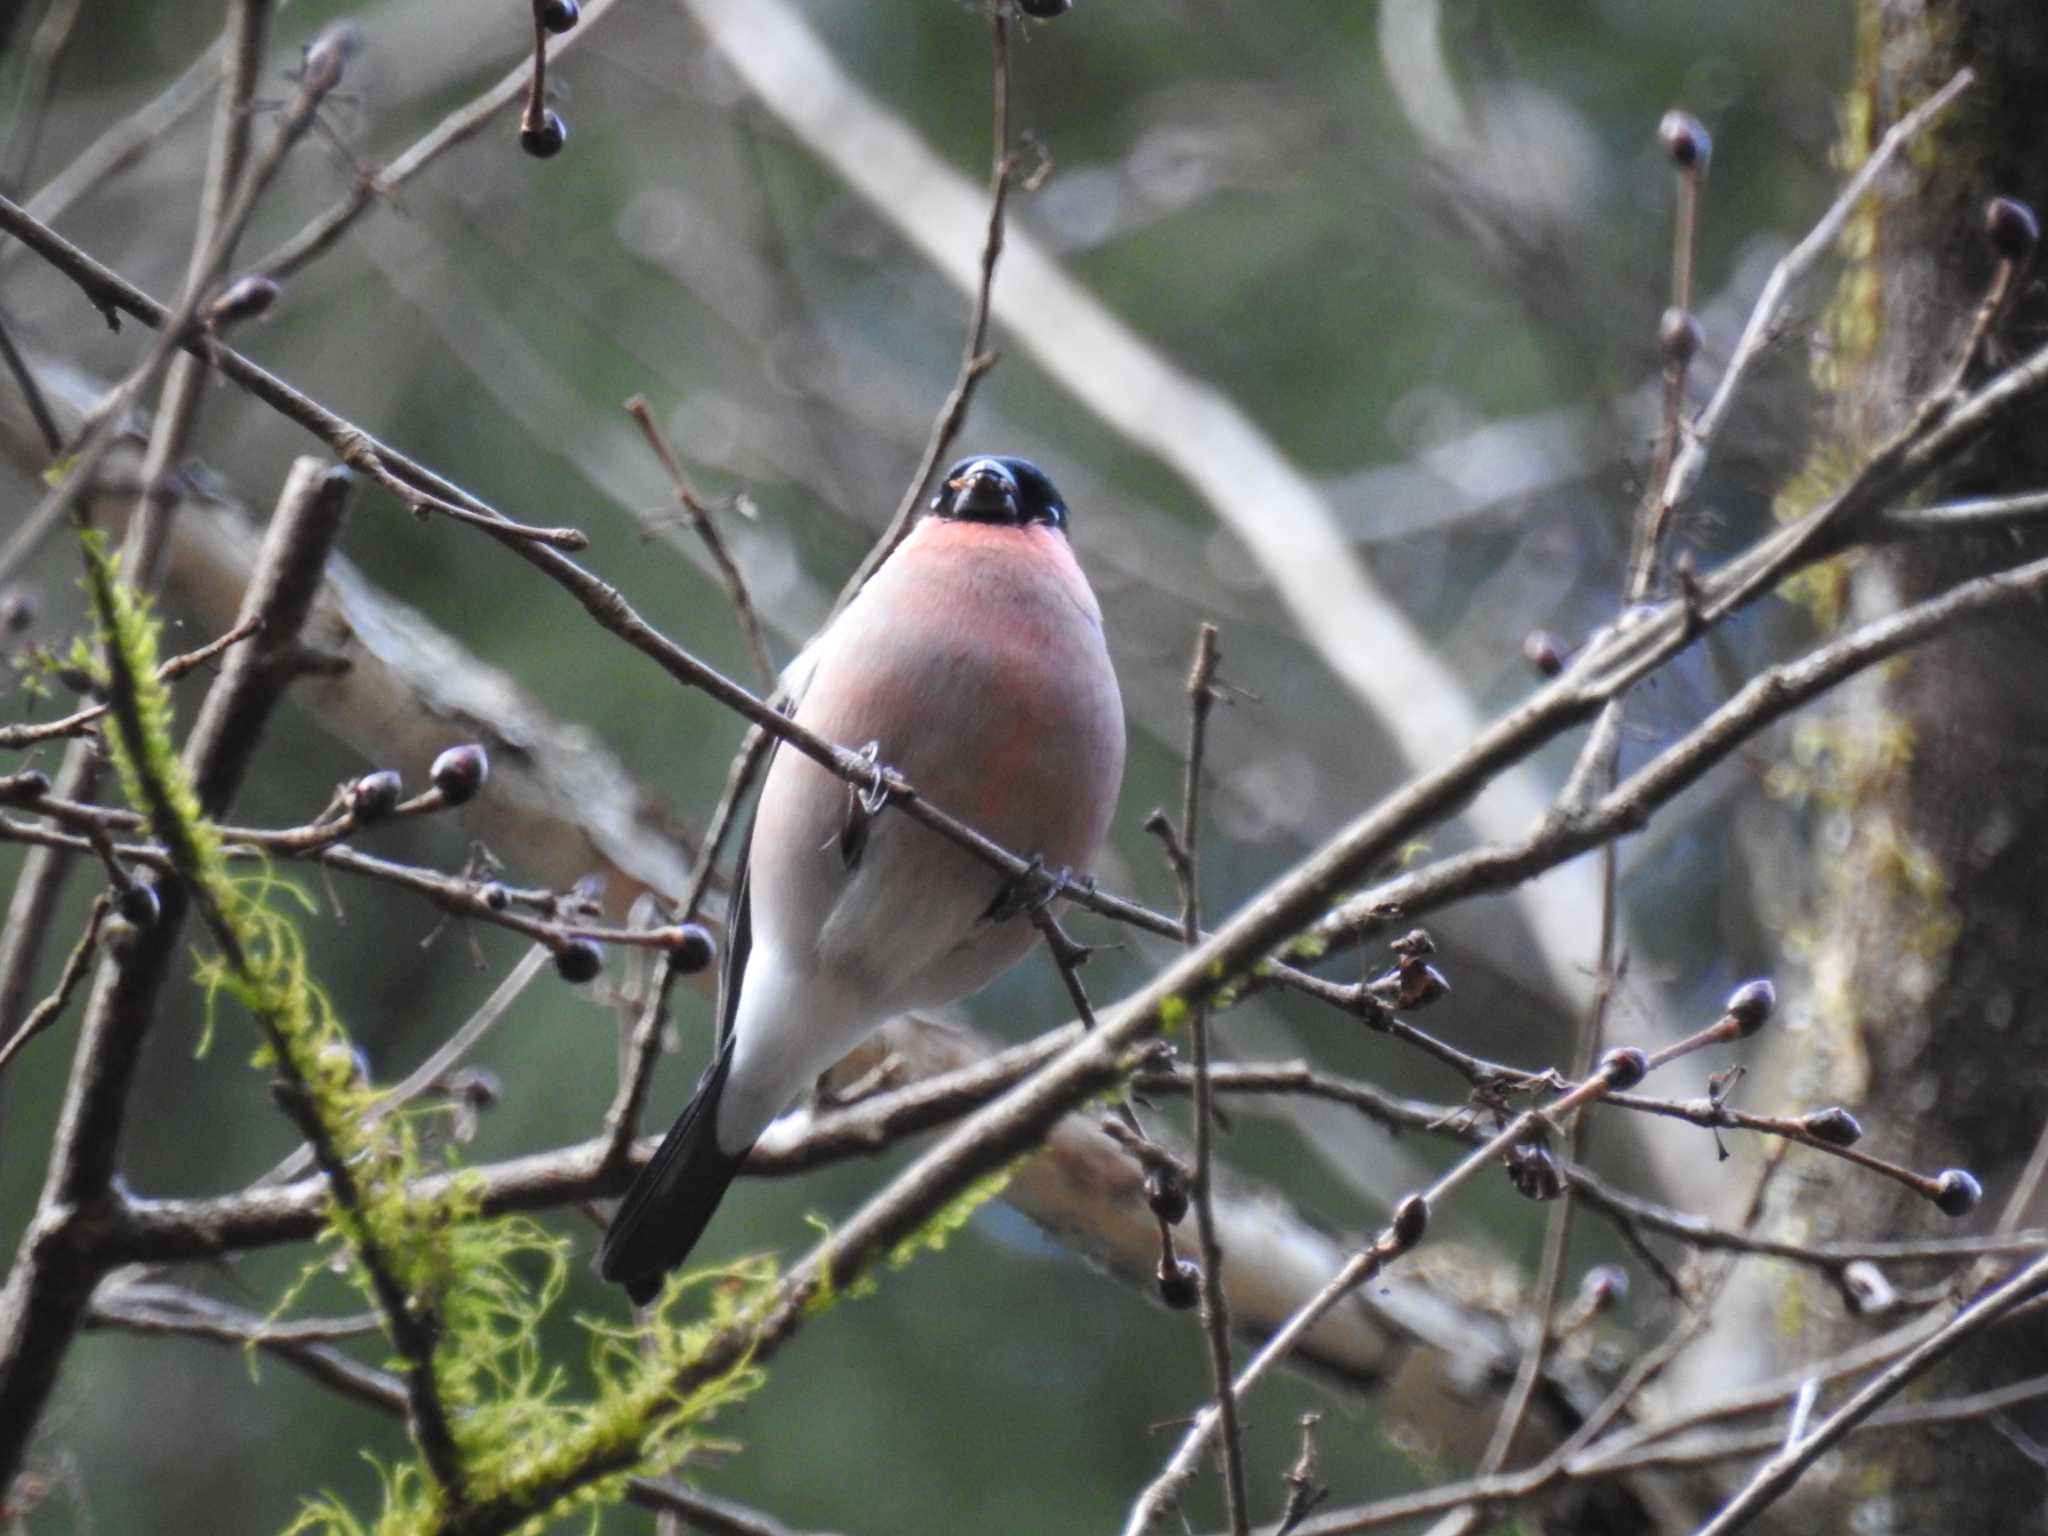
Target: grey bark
1929,988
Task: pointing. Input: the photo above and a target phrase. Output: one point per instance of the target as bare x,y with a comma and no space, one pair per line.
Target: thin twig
459,895
47,1012
1363,1266
46,50
80,721
32,392
1791,268
643,1050
431,1071
1215,1304
975,358
127,141
739,778
1771,1480
373,186
714,542
40,885
47,1289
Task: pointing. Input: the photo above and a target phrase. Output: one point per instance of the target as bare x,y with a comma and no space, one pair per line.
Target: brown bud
2012,228
1685,140
1751,1005
1045,10
692,949
1533,1171
1167,1194
579,960
25,787
1624,1067
556,16
1833,1125
373,796
1411,1220
243,299
1541,650
139,904
327,57
543,138
460,772
1421,985
17,610
1957,1192
1678,336
1180,1283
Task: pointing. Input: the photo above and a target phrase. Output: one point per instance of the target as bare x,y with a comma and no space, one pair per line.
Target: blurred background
1335,324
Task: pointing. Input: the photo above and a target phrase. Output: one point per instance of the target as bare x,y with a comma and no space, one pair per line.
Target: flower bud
1411,1220
1534,1172
374,796
139,904
2012,228
243,299
1180,1283
1544,655
1678,336
460,772
1167,1195
692,949
579,960
1421,985
25,787
1833,1125
1957,1192
1751,1005
327,57
1624,1067
1685,140
557,16
544,139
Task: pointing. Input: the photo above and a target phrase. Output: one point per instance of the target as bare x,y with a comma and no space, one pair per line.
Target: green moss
950,1218
525,1445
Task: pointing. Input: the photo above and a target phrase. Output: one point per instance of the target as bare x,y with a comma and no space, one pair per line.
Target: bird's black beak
986,492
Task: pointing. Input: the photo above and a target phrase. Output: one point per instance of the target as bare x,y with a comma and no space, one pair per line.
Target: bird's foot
864,802
875,793
1035,890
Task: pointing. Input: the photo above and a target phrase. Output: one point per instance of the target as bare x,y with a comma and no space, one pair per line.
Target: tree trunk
1929,1003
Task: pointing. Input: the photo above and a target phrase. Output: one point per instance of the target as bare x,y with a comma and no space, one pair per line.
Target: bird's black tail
670,1204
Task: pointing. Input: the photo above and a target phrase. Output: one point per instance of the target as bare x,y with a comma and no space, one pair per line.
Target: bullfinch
972,662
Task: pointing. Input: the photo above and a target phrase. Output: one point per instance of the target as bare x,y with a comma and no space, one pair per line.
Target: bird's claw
875,793
1035,890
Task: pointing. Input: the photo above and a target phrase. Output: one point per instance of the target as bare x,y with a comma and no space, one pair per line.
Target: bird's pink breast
975,659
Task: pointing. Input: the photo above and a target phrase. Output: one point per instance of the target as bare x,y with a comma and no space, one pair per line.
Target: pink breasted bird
973,662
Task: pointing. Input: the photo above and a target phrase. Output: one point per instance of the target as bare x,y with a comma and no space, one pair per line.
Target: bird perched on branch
973,663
